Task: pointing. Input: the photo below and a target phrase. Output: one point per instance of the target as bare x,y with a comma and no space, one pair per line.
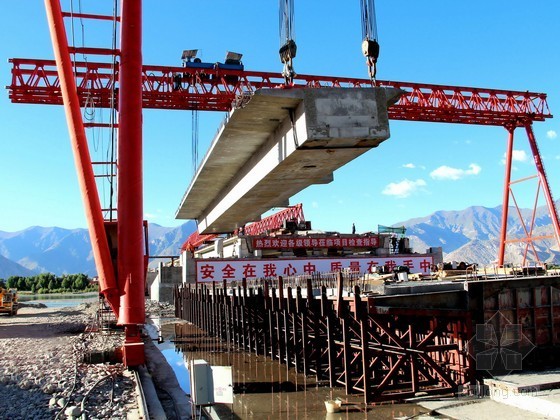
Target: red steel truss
276,221
36,81
272,222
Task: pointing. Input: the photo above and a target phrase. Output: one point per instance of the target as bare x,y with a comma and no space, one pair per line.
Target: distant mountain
66,251
472,234
10,268
168,241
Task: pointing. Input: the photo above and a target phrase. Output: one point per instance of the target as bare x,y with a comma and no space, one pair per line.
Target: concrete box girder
278,144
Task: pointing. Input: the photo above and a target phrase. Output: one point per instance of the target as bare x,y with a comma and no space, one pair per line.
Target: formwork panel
524,298
523,312
506,299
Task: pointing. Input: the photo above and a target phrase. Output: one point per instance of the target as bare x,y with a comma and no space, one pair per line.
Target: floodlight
233,58
188,55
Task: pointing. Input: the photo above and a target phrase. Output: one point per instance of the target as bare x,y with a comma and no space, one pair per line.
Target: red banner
236,269
317,242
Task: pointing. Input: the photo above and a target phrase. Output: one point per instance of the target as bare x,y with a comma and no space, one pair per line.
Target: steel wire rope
288,47
194,139
370,44
286,21
369,20
112,116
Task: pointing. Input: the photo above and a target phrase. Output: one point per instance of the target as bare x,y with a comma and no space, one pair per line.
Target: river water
59,300
263,388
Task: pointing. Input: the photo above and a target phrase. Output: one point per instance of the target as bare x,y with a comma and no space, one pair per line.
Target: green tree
22,283
52,285
80,282
44,279
67,282
13,282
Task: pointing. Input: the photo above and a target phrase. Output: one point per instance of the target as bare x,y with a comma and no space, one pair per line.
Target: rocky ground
42,370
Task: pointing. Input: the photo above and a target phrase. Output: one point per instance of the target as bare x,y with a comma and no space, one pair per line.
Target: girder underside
279,143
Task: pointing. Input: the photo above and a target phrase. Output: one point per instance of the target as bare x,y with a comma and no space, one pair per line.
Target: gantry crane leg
130,278
542,183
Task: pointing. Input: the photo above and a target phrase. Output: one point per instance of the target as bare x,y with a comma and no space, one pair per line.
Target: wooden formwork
384,353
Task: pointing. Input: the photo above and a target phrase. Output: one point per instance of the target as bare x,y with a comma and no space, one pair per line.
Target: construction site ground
42,372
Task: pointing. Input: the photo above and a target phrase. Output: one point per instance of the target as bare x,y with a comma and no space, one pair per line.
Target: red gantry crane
127,85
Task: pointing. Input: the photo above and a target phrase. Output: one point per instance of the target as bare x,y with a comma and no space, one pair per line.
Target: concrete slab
527,381
477,409
279,143
537,392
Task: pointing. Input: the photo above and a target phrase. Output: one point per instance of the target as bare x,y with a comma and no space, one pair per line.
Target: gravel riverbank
42,373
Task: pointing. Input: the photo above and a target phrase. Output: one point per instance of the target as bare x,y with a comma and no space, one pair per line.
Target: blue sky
423,167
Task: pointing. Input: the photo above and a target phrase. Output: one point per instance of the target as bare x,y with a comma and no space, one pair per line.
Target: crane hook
287,54
370,48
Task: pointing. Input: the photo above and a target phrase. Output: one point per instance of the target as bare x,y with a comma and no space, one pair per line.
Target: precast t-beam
279,143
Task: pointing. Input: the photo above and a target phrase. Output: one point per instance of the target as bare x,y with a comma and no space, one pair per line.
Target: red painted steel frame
274,221
542,183
82,160
543,180
36,81
505,201
130,196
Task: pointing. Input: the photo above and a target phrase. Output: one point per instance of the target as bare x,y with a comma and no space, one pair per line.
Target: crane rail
216,89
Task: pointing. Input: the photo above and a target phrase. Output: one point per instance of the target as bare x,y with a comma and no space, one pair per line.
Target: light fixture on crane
188,55
233,58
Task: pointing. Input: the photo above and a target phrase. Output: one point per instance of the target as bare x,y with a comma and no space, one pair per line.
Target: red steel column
544,181
82,159
130,196
505,201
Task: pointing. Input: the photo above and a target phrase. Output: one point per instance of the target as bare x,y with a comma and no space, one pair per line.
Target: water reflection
264,388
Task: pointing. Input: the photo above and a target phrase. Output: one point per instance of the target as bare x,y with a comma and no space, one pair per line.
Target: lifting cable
194,140
288,46
370,45
111,152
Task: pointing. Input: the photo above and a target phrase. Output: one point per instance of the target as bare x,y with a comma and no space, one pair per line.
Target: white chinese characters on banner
317,242
219,270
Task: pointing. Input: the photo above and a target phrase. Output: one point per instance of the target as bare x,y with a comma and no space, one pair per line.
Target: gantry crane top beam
217,89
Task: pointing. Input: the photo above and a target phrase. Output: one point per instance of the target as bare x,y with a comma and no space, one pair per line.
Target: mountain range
470,235
67,251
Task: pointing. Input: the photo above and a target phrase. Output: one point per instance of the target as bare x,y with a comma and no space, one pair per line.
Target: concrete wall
164,283
188,267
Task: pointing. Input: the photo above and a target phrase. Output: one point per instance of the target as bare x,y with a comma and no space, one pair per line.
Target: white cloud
409,165
516,156
551,134
448,173
404,188
519,156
